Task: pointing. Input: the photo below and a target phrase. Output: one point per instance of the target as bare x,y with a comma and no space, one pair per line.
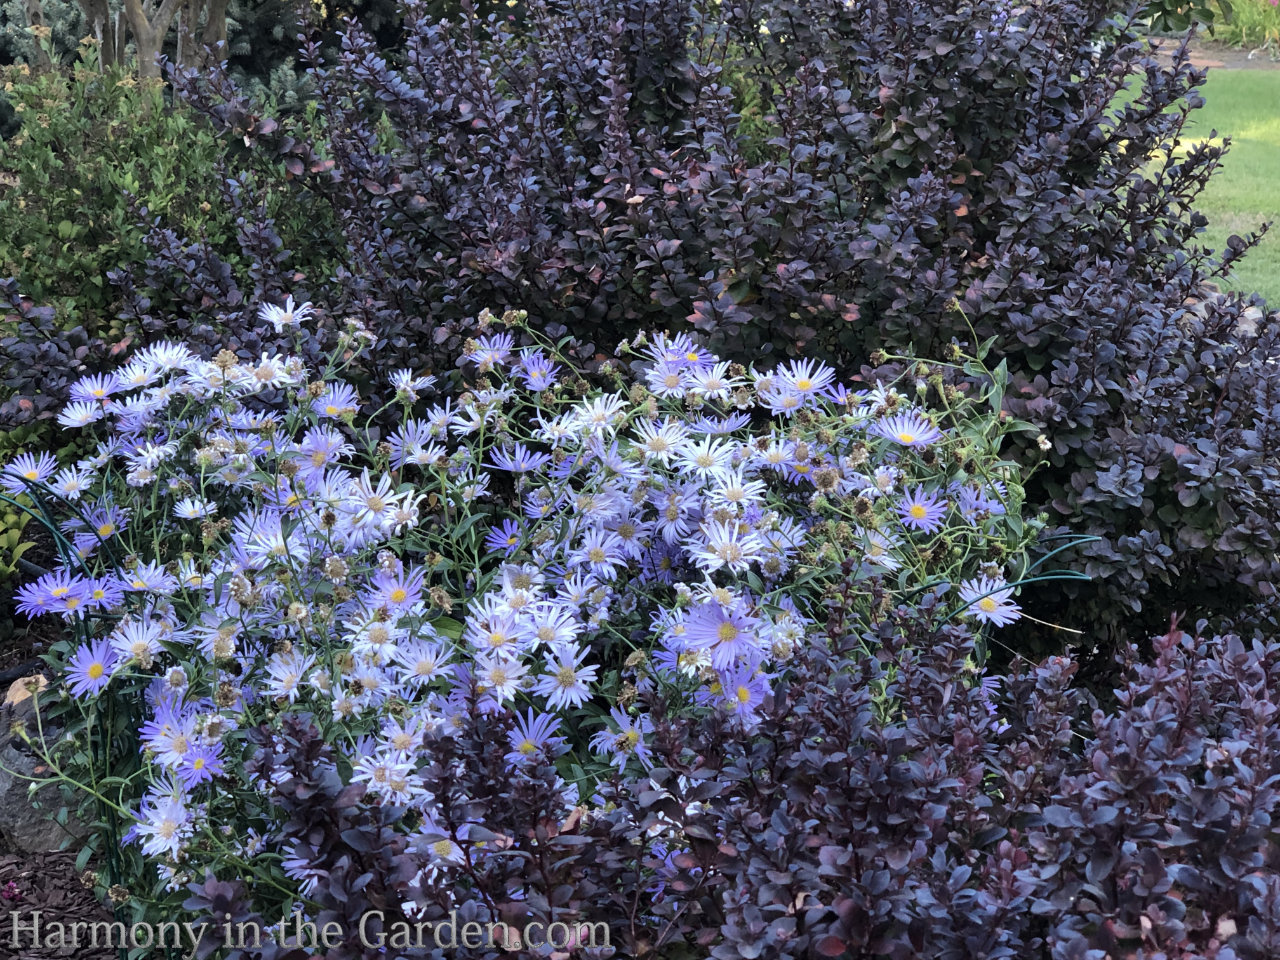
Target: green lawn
1245,106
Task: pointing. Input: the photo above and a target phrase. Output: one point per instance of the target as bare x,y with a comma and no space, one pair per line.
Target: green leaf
450,627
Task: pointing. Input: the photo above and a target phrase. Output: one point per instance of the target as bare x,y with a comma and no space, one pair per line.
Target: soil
48,883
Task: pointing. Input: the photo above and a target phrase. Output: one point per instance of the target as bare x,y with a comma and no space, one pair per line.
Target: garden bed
51,884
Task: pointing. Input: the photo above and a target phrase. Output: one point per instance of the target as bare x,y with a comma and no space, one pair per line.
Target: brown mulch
1220,56
48,883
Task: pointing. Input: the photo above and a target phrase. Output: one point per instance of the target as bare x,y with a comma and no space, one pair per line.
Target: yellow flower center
727,633
918,512
987,605
398,595
96,670
905,437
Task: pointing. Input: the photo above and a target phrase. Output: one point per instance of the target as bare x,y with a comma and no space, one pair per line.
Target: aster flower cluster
532,542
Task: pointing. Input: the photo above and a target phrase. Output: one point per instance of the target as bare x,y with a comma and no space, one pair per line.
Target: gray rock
28,821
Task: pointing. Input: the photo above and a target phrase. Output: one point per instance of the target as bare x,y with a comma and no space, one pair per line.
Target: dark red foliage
887,804
935,825
39,359
864,175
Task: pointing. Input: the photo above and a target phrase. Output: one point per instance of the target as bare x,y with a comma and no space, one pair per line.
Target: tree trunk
121,36
150,25
215,28
187,47
148,42
36,19
106,30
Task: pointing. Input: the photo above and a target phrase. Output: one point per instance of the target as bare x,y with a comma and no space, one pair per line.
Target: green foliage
12,520
1253,25
1178,16
63,17
91,146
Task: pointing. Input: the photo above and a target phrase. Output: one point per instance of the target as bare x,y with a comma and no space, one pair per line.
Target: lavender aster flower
989,600
742,691
922,511
534,734
95,389
538,371
290,316
520,460
403,381
398,591
626,742
194,508
601,553
566,682
202,763
338,400
729,636
729,545
80,414
504,538
89,670
164,824
908,429
28,466
807,377
492,351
